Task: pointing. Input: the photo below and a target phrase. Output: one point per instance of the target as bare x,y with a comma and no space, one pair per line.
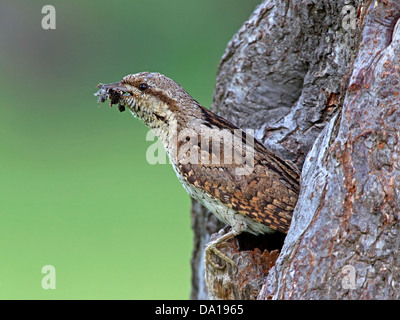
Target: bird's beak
117,86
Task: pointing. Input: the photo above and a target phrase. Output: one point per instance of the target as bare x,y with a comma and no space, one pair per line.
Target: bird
232,174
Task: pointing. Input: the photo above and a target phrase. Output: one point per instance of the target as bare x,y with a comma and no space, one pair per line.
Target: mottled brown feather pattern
265,195
287,171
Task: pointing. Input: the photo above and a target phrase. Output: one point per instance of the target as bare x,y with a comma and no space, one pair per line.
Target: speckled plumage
258,197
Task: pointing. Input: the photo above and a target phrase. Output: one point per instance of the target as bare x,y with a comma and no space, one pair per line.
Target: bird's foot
212,248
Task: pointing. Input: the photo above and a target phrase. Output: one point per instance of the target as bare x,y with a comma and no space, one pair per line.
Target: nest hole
268,242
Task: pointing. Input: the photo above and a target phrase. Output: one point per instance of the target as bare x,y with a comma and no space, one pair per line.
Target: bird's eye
143,86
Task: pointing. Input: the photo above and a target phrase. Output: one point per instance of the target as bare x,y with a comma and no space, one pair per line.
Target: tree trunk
319,83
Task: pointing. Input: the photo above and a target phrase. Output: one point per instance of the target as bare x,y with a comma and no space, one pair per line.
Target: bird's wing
267,193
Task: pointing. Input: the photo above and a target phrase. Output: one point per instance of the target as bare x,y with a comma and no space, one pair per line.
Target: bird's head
152,97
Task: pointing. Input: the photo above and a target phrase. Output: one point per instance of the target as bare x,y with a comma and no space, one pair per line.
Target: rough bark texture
300,75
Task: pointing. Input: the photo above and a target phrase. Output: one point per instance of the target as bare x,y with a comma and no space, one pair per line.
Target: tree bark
319,83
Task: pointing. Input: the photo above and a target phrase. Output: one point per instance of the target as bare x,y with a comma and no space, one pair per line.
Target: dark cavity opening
268,242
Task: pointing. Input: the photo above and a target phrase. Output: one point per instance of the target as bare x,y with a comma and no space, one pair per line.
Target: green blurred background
76,191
